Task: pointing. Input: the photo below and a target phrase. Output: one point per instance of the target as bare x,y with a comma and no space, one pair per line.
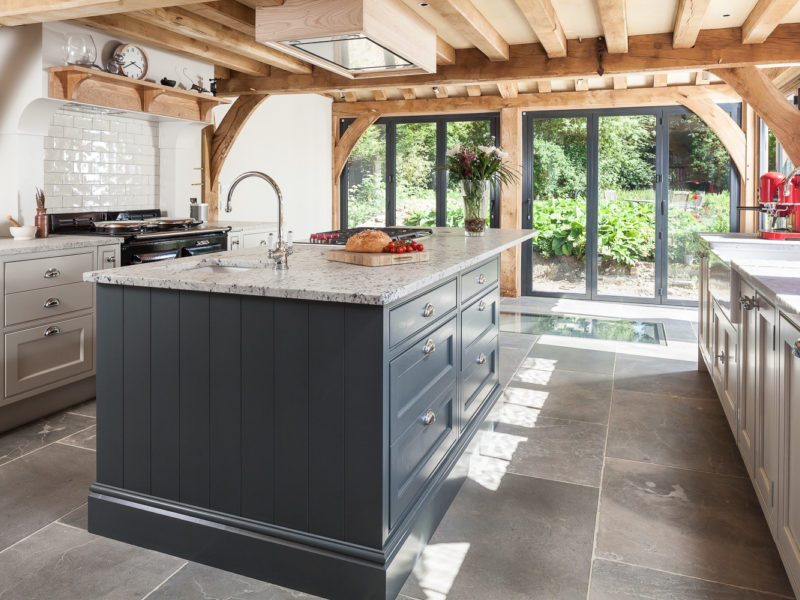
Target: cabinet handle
429,348
52,303
51,272
482,359
234,243
482,306
111,259
51,331
748,303
262,243
428,310
722,358
796,349
481,279
429,418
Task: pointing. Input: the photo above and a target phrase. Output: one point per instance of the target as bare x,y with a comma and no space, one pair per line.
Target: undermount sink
221,269
219,266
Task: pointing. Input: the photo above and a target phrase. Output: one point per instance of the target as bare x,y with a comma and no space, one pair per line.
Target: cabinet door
765,472
705,326
259,238
108,257
748,342
235,240
724,371
788,530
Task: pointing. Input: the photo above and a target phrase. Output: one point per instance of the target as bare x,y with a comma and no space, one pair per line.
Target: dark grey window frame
440,184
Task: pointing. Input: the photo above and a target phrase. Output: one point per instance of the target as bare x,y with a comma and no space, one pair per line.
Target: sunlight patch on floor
487,472
525,397
438,567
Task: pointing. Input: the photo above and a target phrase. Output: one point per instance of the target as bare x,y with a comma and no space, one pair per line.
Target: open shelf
92,86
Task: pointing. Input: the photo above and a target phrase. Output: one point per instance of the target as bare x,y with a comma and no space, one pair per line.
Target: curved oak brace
778,113
70,82
217,143
721,123
349,139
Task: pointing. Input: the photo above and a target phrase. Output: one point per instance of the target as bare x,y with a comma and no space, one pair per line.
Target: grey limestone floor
611,475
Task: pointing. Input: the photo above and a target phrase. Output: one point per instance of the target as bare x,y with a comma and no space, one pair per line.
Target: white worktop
10,246
312,277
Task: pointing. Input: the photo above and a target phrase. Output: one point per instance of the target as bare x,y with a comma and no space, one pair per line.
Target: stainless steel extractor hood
354,38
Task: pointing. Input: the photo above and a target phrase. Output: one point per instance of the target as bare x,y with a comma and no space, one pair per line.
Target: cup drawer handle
482,359
429,418
481,279
51,331
482,306
51,273
428,310
52,303
429,347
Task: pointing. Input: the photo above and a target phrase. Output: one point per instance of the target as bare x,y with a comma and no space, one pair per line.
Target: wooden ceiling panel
651,17
614,17
579,18
474,26
737,9
506,17
446,30
688,21
762,20
21,12
545,23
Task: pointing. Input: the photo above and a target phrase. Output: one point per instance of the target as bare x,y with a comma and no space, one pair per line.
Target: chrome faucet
284,248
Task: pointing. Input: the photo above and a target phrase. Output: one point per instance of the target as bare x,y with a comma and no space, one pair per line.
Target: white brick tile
55,131
60,119
82,122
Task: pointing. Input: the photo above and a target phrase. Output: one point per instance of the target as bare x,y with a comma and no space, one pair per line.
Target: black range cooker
147,236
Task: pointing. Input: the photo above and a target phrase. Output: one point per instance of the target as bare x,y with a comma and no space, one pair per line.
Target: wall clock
131,61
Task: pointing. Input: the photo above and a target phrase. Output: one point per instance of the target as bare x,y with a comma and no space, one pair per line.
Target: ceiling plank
715,48
473,90
185,23
542,18
537,102
440,91
471,23
260,3
787,80
380,95
620,82
764,18
508,89
544,86
445,53
688,21
230,13
614,17
408,93
139,31
660,80
22,12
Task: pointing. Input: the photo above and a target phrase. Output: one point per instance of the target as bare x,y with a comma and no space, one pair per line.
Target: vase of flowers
479,169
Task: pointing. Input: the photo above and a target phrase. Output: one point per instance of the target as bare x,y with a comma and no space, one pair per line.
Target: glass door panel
558,260
626,206
366,180
415,195
461,133
699,199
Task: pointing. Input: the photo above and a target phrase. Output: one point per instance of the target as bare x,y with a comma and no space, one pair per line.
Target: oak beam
544,86
350,97
581,85
380,95
702,78
408,93
471,23
660,80
508,89
764,18
445,53
775,110
620,82
349,139
542,18
688,21
138,31
23,12
511,202
230,13
715,48
614,18
473,90
440,91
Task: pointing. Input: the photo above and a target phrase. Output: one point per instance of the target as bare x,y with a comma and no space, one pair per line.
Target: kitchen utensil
377,259
24,232
168,82
199,212
14,221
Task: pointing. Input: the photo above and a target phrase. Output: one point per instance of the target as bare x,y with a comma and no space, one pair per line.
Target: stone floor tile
28,438
528,538
63,562
616,581
41,487
77,518
549,356
86,439
570,395
200,582
87,409
537,446
679,331
689,523
691,433
651,374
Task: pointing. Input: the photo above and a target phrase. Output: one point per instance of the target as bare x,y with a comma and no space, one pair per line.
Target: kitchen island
306,427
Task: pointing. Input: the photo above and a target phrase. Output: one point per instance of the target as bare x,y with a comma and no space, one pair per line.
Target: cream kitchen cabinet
235,240
724,363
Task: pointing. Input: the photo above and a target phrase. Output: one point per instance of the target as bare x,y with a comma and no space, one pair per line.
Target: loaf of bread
369,240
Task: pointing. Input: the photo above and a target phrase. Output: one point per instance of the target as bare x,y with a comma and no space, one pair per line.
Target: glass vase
476,204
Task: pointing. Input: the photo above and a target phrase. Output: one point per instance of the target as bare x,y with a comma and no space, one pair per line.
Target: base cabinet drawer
43,355
416,314
479,375
480,278
24,275
48,302
479,317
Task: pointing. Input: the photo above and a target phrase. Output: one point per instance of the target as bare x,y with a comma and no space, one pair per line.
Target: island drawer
427,365
480,278
479,317
48,302
36,273
419,312
479,374
41,355
416,454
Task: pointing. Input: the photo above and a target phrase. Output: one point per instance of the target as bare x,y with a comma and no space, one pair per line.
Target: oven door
138,252
206,246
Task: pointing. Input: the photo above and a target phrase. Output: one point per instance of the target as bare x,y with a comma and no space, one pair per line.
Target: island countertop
311,276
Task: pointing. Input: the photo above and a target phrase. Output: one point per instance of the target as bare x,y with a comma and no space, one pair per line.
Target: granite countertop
312,277
10,246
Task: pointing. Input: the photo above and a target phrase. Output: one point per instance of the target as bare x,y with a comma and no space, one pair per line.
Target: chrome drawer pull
428,310
481,279
482,306
429,347
111,259
721,357
52,303
482,359
796,349
429,418
51,272
51,331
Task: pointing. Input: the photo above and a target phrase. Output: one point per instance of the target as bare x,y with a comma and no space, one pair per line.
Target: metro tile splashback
100,162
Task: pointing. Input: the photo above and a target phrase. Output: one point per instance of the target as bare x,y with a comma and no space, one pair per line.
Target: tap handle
289,238
271,241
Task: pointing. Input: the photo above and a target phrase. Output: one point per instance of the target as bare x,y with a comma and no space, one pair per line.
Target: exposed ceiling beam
445,53
260,3
620,82
471,23
581,84
139,31
185,23
473,90
535,102
542,18
688,21
660,80
408,93
440,91
715,48
544,86
230,13
350,97
380,95
787,80
764,18
702,78
614,17
508,89
21,12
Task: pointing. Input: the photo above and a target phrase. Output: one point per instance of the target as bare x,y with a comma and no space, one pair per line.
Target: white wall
289,139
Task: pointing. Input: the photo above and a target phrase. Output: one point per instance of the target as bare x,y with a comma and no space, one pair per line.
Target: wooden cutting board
377,259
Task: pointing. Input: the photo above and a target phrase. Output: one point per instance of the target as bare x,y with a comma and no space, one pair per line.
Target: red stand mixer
779,206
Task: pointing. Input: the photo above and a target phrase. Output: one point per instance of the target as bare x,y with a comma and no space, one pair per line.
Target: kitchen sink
219,266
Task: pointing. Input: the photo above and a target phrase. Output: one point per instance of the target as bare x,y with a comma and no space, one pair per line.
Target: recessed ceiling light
726,14
423,4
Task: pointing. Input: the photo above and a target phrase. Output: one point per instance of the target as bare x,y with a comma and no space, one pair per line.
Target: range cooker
340,236
147,236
